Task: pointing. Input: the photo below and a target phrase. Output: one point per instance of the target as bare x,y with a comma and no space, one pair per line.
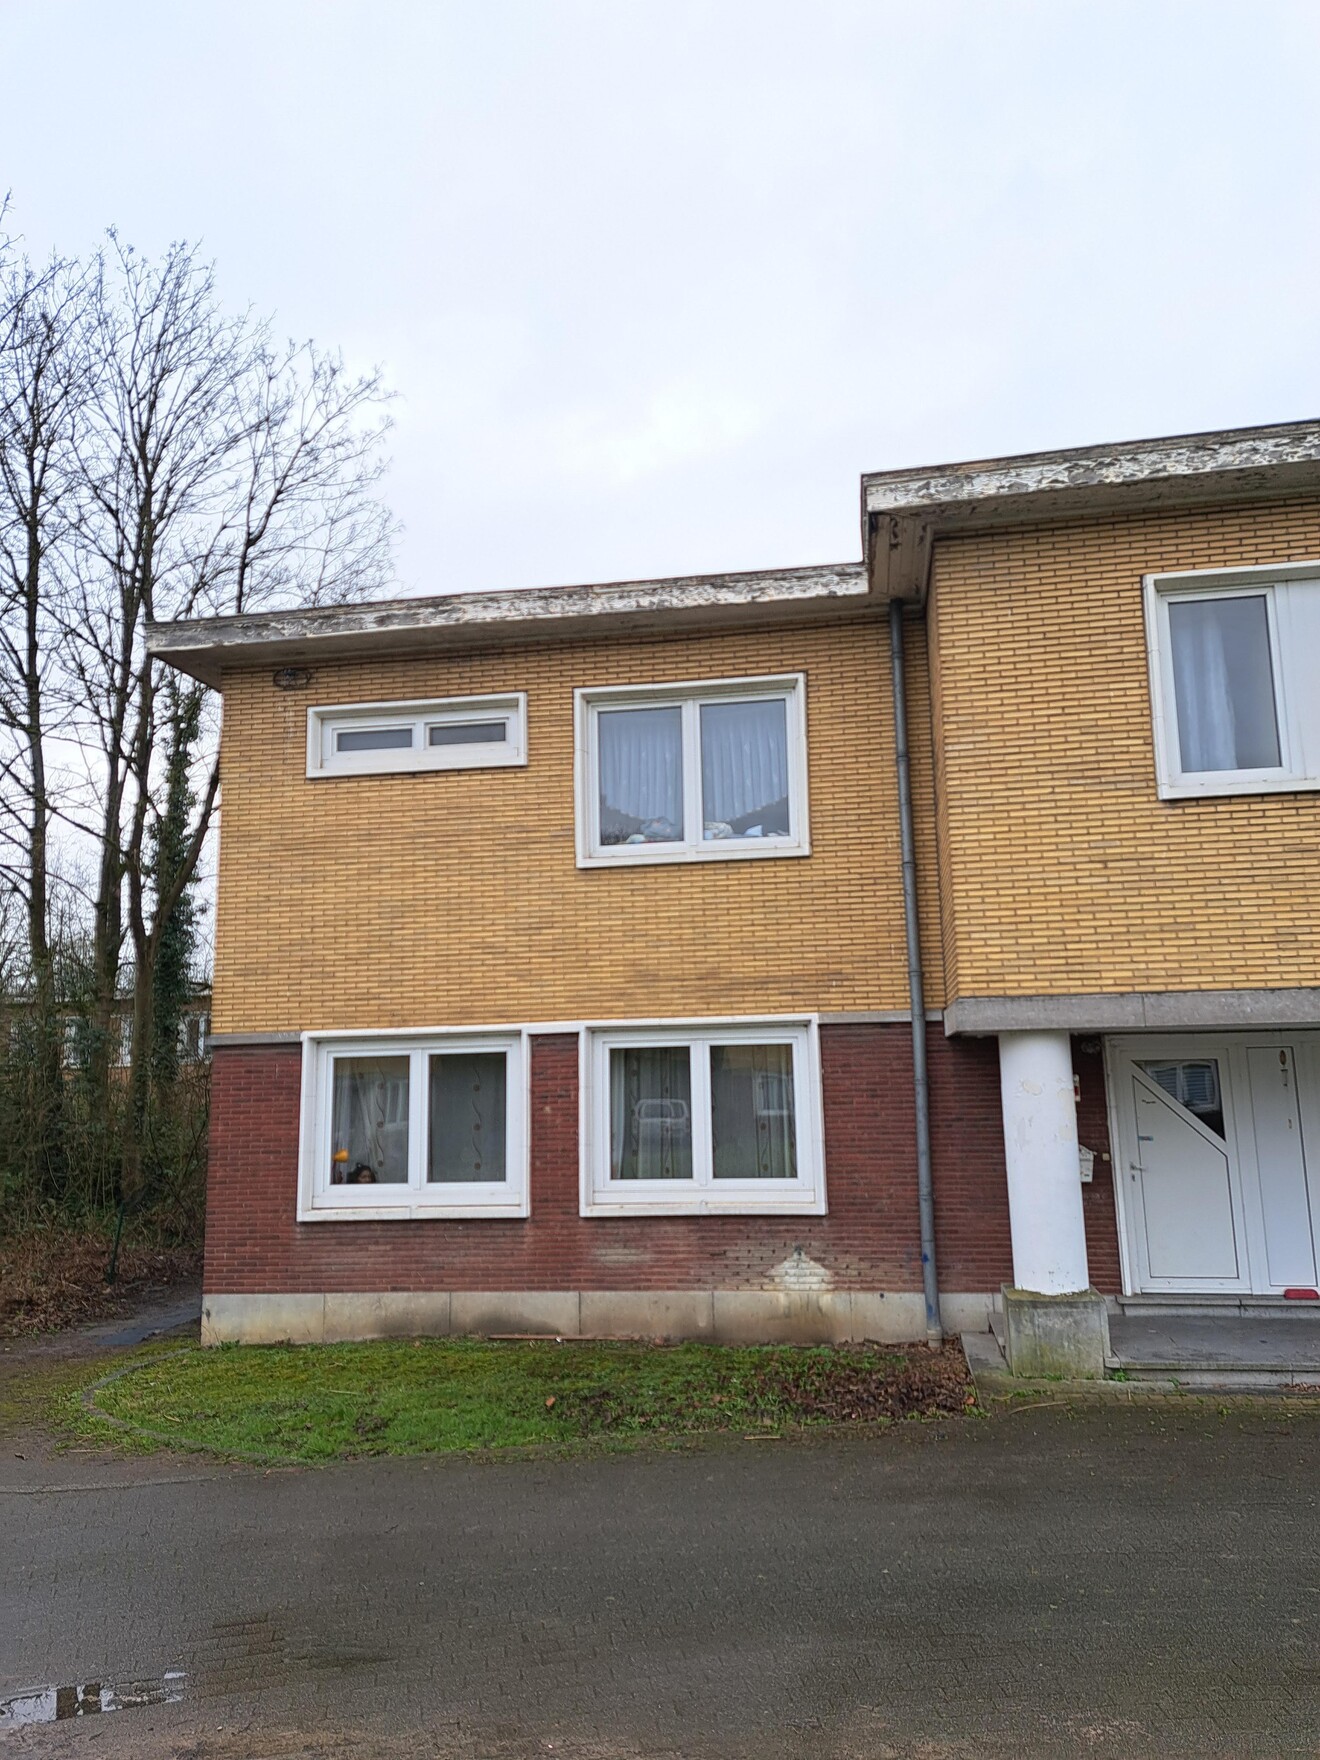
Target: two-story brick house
565,964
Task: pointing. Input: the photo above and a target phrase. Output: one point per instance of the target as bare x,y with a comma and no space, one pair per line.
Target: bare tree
43,391
220,473
159,458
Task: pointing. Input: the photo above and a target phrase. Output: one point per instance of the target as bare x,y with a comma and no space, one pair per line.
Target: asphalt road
1124,1581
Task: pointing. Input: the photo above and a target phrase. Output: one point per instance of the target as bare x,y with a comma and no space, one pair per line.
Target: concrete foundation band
719,1316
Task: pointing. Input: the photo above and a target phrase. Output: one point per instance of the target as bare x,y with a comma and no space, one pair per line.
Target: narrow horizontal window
373,739
395,1126
703,1119
692,772
1233,659
467,733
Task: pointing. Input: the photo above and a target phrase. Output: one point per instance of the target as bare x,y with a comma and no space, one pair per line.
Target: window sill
1233,785
417,1211
637,855
797,1203
414,764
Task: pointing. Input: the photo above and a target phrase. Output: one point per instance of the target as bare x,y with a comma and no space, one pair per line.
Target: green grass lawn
403,1397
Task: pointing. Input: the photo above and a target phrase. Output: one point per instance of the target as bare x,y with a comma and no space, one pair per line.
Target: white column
1040,1145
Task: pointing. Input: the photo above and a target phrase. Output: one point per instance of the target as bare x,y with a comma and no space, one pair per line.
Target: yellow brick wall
1061,871
946,979
453,898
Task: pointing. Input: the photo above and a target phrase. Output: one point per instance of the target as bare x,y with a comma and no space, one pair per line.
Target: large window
405,1127
459,733
692,772
703,1118
1234,660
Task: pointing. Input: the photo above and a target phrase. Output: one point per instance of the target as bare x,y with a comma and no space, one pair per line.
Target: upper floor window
1234,654
692,772
460,733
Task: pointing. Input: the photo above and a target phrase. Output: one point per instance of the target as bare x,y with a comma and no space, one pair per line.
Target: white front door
1217,1160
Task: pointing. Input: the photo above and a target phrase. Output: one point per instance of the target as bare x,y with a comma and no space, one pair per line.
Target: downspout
916,987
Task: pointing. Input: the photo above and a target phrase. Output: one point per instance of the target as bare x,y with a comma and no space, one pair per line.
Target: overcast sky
655,282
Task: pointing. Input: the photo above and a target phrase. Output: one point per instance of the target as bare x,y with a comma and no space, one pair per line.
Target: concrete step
1220,1377
1217,1307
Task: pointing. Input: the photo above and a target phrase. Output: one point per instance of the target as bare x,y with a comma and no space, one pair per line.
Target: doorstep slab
1232,1341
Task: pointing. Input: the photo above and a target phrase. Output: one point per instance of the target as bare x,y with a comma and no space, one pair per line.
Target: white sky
657,279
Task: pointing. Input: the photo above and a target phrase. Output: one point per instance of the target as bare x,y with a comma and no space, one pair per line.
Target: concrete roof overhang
904,512
306,637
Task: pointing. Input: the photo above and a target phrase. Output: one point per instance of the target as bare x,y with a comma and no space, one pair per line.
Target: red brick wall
869,1240
1098,1197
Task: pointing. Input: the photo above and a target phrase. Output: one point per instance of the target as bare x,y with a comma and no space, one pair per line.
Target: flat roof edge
1120,464
202,646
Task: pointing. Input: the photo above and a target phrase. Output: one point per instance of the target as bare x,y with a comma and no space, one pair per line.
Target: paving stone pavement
1112,1582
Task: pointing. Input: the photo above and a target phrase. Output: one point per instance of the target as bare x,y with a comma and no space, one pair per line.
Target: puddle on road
90,1699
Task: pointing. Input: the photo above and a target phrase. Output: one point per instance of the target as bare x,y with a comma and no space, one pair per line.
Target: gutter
916,983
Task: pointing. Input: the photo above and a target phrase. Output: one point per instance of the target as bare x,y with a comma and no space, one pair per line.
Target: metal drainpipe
916,988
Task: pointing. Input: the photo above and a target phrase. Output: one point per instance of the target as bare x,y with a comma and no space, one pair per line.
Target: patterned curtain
650,1112
369,1119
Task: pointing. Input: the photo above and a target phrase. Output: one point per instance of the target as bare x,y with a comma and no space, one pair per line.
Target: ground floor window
406,1127
703,1118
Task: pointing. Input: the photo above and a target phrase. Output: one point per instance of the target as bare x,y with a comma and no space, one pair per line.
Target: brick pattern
452,898
1098,1205
1060,869
870,1239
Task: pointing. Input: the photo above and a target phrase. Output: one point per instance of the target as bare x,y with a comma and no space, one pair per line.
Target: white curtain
641,771
369,1119
744,762
1206,735
1223,684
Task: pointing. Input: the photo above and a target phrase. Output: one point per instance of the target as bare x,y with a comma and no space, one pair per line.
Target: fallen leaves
52,1277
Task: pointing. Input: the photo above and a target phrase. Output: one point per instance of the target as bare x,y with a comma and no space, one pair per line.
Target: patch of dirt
792,1386
843,1389
53,1278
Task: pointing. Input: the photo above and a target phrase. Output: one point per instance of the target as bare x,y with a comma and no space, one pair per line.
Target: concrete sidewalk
1103,1581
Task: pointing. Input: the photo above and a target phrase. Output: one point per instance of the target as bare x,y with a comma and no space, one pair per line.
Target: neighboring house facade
564,979
191,1036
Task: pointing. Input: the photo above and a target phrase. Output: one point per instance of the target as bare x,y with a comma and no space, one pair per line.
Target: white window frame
688,696
319,1201
1294,632
328,720
703,1195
